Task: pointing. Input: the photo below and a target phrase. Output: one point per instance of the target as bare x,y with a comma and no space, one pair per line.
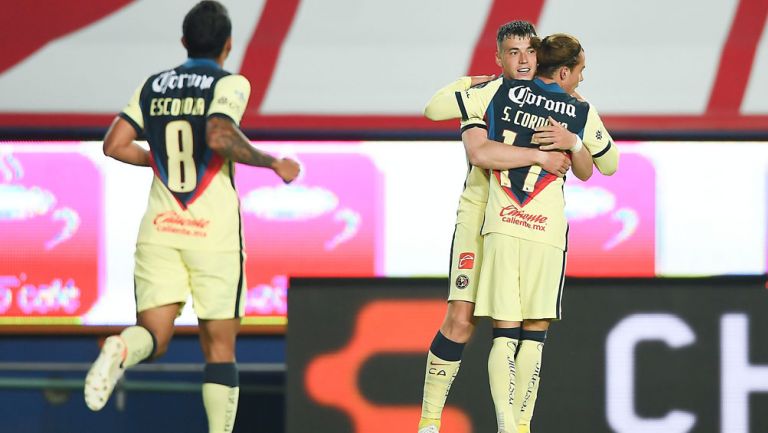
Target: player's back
193,203
525,202
518,107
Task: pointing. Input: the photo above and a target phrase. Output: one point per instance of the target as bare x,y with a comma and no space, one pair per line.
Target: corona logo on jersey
522,95
171,80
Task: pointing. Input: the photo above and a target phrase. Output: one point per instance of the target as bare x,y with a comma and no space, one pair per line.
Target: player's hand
480,79
554,136
287,169
556,162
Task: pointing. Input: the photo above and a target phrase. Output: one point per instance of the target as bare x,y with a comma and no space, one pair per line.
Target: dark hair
556,51
206,29
521,29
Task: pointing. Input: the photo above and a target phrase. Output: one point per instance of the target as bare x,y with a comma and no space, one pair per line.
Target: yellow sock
139,344
438,378
501,374
428,421
220,403
528,368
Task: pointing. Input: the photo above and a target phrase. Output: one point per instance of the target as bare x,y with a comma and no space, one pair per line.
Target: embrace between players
508,257
522,132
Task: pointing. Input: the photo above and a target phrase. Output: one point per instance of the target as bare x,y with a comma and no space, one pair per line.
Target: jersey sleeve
599,143
473,123
230,97
456,102
443,101
132,111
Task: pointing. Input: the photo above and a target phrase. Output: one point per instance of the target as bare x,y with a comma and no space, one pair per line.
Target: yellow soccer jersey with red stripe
528,202
193,203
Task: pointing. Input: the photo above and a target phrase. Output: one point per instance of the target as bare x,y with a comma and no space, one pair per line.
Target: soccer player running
516,55
190,239
525,230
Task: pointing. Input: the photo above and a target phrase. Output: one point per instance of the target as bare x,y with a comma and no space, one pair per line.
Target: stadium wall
643,355
332,69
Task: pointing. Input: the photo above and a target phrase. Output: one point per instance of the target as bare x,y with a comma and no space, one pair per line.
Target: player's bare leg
528,362
459,322
443,361
502,372
221,387
149,338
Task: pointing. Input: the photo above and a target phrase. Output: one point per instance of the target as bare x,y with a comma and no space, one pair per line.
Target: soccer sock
220,394
528,376
140,344
501,375
443,361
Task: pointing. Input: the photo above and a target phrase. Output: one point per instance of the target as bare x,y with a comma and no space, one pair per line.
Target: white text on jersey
176,106
522,95
170,80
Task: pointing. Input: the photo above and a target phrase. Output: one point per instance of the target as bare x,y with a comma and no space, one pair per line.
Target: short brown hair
519,29
555,51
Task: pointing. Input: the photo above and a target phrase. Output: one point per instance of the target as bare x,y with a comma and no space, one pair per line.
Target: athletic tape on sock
513,333
539,336
224,373
446,349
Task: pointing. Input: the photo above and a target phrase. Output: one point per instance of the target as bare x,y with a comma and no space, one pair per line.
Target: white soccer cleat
429,429
104,373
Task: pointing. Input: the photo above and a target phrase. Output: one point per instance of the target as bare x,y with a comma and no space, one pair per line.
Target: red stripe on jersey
737,57
153,164
538,187
213,167
261,55
501,12
32,25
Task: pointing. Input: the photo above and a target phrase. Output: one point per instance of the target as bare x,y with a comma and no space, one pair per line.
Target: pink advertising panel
69,218
327,223
50,223
613,222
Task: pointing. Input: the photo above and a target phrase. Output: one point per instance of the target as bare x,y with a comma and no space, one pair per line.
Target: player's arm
582,166
460,100
491,154
226,139
119,143
600,145
558,137
554,136
224,136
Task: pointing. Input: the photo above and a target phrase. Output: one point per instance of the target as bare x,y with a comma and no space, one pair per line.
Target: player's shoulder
235,80
236,86
579,102
492,83
591,109
488,89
